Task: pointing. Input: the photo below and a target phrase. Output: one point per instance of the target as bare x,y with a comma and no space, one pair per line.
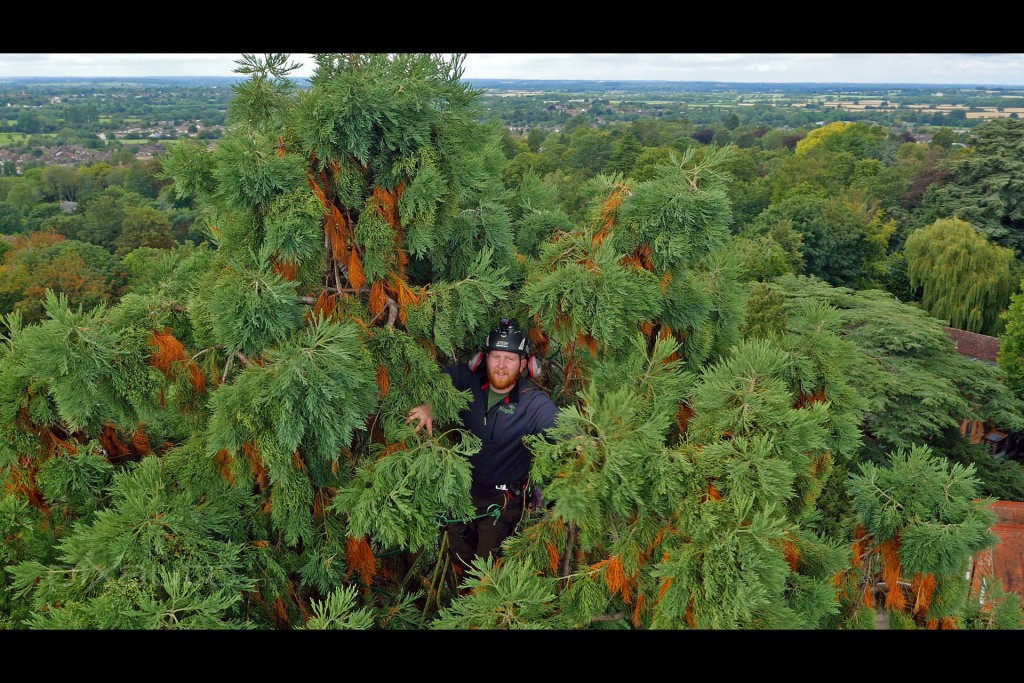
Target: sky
993,69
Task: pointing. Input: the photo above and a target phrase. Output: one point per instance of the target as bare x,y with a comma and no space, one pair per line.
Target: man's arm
424,417
423,414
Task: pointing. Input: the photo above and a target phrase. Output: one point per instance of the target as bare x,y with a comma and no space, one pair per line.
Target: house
973,345
983,348
1005,560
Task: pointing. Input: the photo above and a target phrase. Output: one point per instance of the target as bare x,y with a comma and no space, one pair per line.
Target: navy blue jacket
503,459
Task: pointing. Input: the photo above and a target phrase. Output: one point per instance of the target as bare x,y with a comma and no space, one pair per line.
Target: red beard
504,382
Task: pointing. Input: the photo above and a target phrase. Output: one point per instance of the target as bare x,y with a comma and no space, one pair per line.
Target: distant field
21,138
106,118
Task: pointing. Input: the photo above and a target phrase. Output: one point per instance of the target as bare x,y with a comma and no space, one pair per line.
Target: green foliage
682,213
312,392
413,379
294,235
907,370
144,227
450,313
965,280
251,308
224,446
156,558
508,597
85,371
399,498
984,187
997,610
537,214
833,238
1011,344
250,175
339,611
589,285
706,302
920,495
765,313
931,508
86,274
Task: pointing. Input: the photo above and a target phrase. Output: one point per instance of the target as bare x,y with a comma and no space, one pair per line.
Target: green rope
493,510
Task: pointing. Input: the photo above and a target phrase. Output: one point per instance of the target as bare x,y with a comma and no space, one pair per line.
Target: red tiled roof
1005,560
974,345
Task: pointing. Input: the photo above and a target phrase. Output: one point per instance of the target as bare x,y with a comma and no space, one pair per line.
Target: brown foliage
552,557
360,559
223,461
803,400
140,442
256,465
383,382
22,481
378,298
792,555
168,351
354,268
923,586
286,268
117,451
609,211
324,305
683,417
891,572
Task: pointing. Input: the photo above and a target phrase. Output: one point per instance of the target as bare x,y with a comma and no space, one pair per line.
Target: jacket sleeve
547,412
462,376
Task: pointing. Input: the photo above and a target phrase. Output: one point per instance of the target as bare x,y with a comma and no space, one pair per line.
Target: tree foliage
964,279
225,446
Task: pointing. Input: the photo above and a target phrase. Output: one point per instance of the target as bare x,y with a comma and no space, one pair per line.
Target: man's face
503,368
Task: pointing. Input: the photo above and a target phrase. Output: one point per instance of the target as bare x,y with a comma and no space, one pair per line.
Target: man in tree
507,405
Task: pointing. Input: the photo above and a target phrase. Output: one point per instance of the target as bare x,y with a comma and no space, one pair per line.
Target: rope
493,510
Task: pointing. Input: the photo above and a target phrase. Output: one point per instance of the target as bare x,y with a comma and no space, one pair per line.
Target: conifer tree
920,523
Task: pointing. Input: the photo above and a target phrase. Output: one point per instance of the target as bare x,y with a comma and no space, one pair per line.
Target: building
983,348
1005,560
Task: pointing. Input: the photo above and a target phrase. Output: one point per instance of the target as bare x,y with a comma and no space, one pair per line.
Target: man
506,406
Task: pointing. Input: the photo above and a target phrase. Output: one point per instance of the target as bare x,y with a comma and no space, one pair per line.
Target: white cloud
944,68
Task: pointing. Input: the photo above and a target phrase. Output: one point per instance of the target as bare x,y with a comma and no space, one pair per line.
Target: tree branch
608,617
568,550
227,369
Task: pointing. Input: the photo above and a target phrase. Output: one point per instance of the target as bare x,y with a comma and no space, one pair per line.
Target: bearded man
507,405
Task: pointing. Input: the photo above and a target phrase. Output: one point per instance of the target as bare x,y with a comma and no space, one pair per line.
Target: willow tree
963,278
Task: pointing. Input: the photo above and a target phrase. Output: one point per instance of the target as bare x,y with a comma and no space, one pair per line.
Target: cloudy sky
924,68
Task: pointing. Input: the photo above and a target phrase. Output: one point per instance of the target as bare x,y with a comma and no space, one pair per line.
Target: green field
21,138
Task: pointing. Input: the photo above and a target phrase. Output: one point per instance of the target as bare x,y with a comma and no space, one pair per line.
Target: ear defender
476,360
533,367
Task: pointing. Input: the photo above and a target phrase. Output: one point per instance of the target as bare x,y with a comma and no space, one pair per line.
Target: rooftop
974,345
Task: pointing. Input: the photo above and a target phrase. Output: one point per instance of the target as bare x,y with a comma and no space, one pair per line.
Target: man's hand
423,417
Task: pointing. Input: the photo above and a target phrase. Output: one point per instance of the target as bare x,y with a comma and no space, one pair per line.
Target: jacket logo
508,409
